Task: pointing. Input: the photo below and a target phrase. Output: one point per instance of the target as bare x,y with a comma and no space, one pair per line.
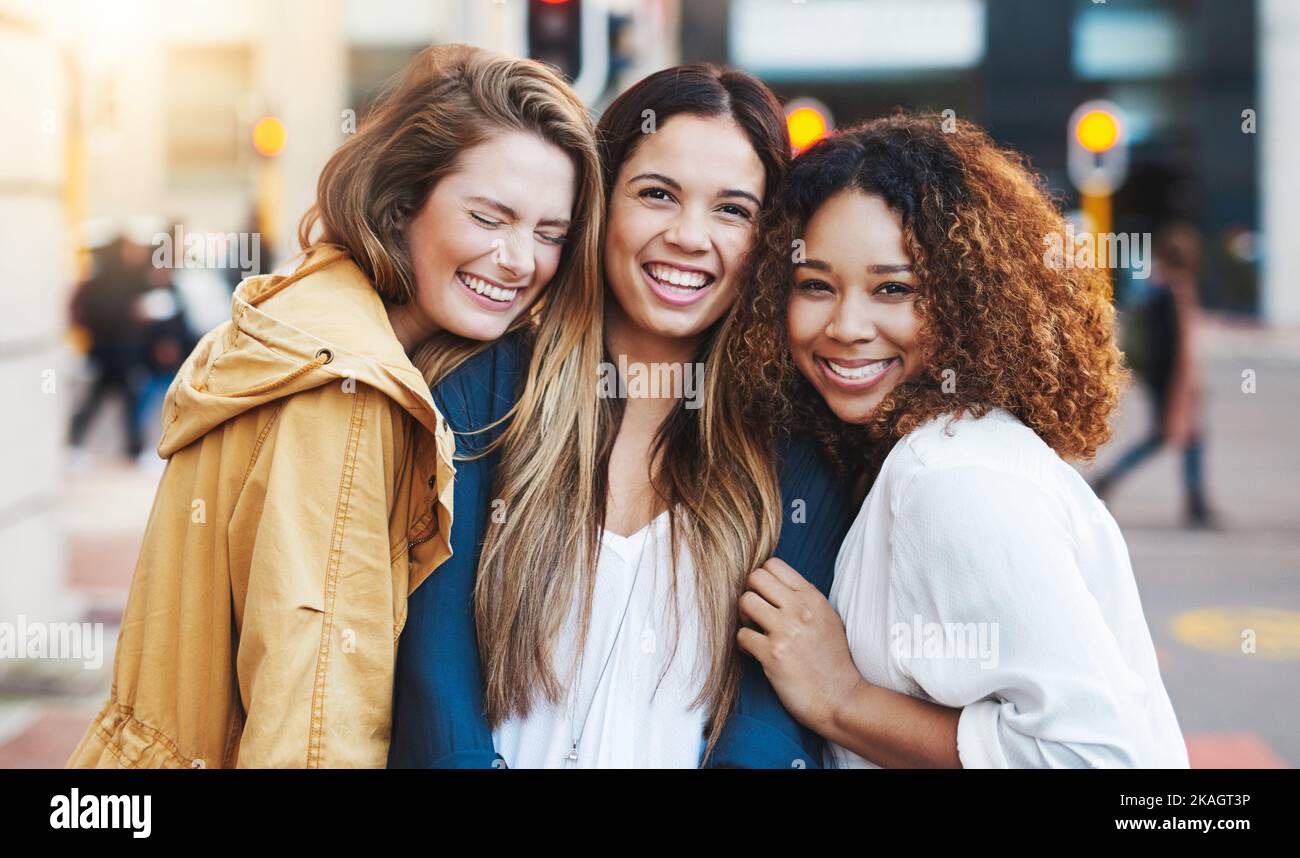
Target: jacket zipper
410,546
433,531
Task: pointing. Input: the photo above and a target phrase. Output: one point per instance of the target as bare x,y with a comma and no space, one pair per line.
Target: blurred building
36,273
173,91
1187,73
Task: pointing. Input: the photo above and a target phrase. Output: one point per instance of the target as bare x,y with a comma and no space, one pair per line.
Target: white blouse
636,720
982,573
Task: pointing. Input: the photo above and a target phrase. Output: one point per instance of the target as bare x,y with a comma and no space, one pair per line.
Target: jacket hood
322,324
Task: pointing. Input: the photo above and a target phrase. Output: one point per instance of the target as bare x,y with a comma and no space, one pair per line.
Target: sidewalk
1202,591
103,513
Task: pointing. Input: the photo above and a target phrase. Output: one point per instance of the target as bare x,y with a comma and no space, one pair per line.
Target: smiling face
852,314
489,236
681,218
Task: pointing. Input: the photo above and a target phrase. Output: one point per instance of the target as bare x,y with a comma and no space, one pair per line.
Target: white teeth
687,281
858,373
496,293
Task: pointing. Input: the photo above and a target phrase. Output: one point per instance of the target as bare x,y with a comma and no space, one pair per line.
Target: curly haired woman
984,612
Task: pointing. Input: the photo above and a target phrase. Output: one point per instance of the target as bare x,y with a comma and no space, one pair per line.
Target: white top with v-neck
640,712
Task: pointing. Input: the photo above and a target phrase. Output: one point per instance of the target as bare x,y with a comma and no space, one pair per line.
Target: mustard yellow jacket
307,493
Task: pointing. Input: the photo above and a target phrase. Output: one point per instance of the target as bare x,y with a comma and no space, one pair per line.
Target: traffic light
1098,144
1097,130
1098,164
269,136
808,121
573,36
555,34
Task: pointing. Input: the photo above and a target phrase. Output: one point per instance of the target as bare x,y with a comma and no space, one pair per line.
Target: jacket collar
288,333
332,305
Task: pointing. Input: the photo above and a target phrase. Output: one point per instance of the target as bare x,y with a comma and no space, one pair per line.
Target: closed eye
485,221
556,240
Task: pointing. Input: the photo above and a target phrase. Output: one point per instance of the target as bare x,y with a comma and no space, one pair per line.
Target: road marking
1272,633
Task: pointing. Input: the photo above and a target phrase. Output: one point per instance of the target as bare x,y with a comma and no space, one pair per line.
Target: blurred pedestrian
168,338
105,306
1164,359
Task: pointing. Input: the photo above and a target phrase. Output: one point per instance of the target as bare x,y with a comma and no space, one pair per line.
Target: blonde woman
308,488
588,615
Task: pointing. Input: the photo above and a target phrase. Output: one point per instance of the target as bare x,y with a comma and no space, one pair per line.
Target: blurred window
1134,42
383,35
371,67
778,39
206,87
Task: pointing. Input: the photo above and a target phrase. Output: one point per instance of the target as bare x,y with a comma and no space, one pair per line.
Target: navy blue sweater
438,719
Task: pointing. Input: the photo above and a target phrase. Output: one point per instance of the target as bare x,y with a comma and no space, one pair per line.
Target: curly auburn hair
1015,332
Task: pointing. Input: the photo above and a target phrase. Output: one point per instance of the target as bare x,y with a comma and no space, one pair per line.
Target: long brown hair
718,479
1011,330
449,99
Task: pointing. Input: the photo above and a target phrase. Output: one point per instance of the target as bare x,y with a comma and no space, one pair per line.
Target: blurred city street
1199,589
157,152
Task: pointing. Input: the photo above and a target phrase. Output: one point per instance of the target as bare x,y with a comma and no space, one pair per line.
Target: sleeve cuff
977,736
748,743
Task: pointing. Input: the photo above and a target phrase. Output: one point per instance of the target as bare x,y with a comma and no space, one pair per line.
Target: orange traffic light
269,136
807,121
1097,130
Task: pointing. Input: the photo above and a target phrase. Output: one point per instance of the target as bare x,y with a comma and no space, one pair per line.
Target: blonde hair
449,99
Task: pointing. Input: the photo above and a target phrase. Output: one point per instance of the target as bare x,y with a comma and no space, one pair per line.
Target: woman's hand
800,642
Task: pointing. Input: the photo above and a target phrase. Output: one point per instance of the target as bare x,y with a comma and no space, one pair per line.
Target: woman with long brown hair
984,612
588,619
308,488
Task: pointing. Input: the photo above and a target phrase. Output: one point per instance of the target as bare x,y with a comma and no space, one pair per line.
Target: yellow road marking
1274,634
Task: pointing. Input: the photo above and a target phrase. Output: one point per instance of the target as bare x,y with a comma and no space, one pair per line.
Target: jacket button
798,764
198,764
